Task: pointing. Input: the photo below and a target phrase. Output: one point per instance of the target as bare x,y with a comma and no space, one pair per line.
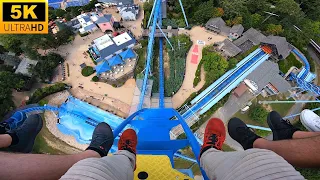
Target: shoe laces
245,132
127,144
214,140
287,124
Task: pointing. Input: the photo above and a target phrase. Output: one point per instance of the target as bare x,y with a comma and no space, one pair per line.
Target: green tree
45,68
95,79
204,13
257,6
11,42
52,14
232,63
252,20
274,29
218,12
289,10
87,71
214,65
311,9
60,12
68,16
258,114
234,8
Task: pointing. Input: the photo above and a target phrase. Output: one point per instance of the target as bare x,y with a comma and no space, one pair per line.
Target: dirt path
196,33
73,54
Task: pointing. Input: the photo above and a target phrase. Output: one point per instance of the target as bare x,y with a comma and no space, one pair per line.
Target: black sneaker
281,129
24,136
240,132
102,139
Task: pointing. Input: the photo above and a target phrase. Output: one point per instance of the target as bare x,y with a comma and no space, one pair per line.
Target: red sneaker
128,141
214,136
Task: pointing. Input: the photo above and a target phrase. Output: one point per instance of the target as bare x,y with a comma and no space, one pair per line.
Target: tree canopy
45,67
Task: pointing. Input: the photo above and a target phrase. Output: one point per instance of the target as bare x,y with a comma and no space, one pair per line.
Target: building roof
104,19
24,66
218,24
89,27
127,54
281,44
229,48
252,35
102,67
73,22
241,89
115,60
238,28
105,46
268,72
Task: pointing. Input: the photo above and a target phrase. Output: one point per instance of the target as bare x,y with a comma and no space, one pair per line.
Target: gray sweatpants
250,164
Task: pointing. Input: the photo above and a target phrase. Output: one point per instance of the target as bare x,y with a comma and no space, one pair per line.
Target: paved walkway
226,112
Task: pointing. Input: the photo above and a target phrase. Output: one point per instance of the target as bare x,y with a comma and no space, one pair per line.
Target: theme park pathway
226,112
74,55
196,33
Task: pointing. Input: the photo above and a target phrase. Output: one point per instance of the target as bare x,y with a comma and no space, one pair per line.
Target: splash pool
82,126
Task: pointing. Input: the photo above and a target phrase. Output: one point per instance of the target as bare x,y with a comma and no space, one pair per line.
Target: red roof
241,89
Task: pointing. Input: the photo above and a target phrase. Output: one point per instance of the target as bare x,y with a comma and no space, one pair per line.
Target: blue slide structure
306,69
304,78
226,83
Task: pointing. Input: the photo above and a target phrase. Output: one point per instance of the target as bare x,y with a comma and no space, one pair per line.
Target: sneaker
240,132
281,129
128,141
214,136
310,120
24,136
102,139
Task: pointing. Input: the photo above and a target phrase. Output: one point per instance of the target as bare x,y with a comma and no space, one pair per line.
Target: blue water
83,126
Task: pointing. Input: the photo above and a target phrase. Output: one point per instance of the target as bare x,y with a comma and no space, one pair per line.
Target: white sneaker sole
309,120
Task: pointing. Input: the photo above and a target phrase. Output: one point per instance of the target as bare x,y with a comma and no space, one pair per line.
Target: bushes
258,114
83,34
45,68
43,92
197,77
95,79
68,71
286,64
87,71
177,64
141,58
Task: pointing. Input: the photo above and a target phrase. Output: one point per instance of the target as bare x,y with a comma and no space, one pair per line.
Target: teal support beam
286,102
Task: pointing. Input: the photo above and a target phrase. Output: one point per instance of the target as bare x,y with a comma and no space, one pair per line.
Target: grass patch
262,133
197,77
41,146
242,56
291,60
282,109
309,173
43,102
141,61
